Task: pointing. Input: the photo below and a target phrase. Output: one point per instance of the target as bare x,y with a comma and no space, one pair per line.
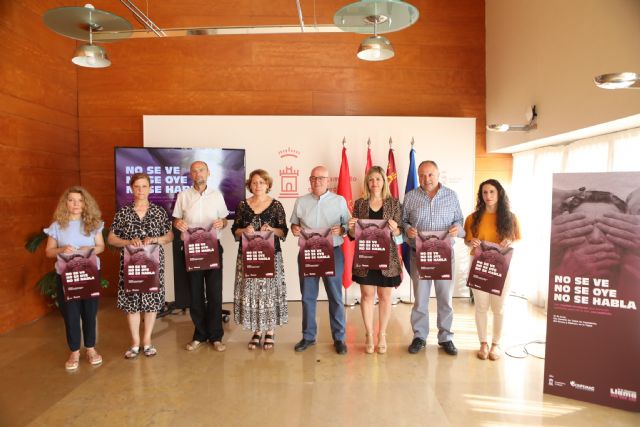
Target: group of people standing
260,304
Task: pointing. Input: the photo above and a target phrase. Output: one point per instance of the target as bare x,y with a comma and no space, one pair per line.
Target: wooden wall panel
38,148
63,122
439,70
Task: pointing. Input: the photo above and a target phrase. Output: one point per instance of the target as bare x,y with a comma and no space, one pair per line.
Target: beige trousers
485,301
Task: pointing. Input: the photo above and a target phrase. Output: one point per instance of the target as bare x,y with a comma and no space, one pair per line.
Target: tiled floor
284,388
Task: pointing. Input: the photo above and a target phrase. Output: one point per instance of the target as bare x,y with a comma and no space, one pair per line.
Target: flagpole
410,185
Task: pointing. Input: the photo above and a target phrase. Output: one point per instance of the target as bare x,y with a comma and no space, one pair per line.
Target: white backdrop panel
288,147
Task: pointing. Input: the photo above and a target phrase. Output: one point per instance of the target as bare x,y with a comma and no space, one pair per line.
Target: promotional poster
258,254
201,248
373,243
80,275
141,268
316,252
433,255
489,268
168,169
593,344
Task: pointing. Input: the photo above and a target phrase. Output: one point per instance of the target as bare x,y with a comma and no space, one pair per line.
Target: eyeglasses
318,178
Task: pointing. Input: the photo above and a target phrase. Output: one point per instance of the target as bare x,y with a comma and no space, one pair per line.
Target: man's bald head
319,180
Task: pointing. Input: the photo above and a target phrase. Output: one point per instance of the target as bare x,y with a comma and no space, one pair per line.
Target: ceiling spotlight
532,116
624,80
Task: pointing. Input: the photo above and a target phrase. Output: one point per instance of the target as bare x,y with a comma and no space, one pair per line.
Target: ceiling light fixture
624,80
375,48
532,116
374,17
82,23
90,55
390,16
363,17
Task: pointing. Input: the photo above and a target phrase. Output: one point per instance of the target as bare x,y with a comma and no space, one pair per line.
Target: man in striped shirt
431,207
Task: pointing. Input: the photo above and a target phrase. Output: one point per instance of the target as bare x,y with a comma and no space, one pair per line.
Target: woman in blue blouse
76,226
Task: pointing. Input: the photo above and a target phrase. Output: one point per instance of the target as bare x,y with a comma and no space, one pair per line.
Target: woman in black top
377,203
260,304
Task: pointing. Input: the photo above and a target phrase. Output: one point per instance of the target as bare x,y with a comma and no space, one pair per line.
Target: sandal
72,362
483,353
132,353
93,357
193,345
268,345
382,343
218,346
255,341
494,353
368,345
149,350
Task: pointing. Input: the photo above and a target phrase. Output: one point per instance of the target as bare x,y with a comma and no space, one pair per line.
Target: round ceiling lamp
76,22
390,16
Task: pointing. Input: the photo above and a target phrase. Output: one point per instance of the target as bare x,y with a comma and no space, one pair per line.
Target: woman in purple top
76,226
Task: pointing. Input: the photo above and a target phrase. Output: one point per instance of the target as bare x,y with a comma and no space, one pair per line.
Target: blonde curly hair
91,215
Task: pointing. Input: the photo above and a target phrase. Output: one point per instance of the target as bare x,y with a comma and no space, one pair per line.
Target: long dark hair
504,217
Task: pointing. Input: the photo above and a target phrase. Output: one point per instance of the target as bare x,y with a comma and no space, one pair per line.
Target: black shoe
303,344
340,346
416,345
449,348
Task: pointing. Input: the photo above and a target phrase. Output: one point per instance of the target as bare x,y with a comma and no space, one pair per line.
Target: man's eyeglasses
318,178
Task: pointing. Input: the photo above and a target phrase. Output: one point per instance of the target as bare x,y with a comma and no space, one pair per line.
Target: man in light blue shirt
431,207
322,209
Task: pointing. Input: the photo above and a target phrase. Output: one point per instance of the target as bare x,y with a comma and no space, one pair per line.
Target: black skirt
375,278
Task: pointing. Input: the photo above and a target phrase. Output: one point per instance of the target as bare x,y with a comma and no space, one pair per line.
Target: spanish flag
344,189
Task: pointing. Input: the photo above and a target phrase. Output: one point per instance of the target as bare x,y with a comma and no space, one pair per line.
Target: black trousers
79,318
206,303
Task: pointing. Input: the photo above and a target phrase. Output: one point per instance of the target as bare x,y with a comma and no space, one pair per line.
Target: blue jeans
309,287
420,310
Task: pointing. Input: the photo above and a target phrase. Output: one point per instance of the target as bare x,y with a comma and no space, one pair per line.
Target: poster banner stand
593,344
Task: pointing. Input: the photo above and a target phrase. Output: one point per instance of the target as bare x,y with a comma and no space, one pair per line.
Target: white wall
546,52
317,140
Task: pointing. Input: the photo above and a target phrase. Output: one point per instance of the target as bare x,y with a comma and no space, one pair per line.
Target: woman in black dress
138,224
260,304
377,203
